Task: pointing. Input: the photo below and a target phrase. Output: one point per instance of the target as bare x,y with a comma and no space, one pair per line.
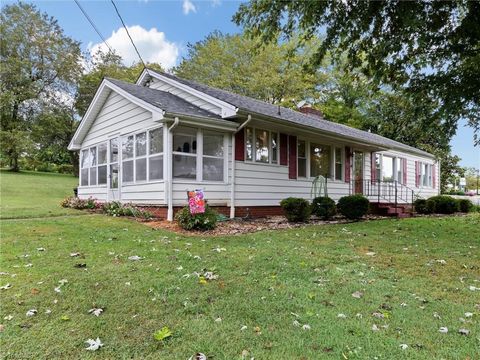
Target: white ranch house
148,143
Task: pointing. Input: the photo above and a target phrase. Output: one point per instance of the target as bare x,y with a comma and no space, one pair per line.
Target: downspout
169,158
232,187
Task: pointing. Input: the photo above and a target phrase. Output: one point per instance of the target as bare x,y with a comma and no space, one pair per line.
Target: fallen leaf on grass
135,258
244,327
8,317
357,294
74,254
35,291
28,265
403,346
464,332
473,288
6,286
93,345
218,320
65,318
342,316
48,311
32,312
306,327
40,249
370,253
468,314
162,334
375,327
198,356
95,311
443,330
202,280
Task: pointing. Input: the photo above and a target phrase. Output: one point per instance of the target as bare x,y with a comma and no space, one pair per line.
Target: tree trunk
74,161
14,163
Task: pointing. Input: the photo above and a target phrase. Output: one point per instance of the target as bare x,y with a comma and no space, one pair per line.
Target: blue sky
162,30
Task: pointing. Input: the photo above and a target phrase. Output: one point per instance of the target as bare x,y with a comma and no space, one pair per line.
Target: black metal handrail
392,192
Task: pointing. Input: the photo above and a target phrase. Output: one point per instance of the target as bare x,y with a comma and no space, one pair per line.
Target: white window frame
428,175
395,169
342,163
306,158
270,151
331,171
89,166
199,157
147,156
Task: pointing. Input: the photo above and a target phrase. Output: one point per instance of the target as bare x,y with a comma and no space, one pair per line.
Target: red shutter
417,182
373,167
347,163
292,157
240,145
283,149
434,176
405,177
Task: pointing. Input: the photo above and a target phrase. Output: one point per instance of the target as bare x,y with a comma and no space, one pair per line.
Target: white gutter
170,169
232,186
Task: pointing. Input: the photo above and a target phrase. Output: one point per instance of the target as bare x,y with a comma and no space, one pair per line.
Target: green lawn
267,280
28,194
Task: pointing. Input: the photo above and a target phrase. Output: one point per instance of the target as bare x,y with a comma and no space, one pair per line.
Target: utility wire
93,25
124,26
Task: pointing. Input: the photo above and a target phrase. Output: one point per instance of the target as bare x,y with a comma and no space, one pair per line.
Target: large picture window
320,157
198,154
142,156
261,146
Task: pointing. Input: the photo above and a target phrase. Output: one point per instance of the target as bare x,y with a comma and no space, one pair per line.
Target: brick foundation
240,211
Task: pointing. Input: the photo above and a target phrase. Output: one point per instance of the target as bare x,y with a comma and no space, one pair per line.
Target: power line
93,25
124,26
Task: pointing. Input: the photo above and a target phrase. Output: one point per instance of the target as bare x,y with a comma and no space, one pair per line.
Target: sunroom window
261,146
184,153
142,156
198,154
319,160
92,166
127,158
213,156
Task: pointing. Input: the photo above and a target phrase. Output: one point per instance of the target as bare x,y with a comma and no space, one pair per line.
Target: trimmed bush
420,206
353,207
80,204
324,207
203,222
296,209
465,205
442,204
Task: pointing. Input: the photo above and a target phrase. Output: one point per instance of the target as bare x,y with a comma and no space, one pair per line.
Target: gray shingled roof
163,100
248,104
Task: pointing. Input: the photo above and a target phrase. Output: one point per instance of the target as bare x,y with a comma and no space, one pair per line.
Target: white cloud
188,7
216,3
152,45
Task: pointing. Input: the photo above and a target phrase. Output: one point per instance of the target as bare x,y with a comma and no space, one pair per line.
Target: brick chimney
308,110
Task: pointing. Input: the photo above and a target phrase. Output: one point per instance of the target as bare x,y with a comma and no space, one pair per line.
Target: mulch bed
244,226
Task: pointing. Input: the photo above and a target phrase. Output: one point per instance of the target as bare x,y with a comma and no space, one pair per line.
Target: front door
113,172
358,172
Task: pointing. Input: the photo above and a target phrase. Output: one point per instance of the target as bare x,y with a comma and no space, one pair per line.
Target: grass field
28,194
413,276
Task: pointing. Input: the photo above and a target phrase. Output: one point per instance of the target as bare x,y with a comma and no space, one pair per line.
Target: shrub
353,207
420,206
296,209
74,203
442,204
65,169
324,207
465,205
205,221
116,208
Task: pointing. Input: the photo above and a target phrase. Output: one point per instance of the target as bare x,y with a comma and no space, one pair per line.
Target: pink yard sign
196,201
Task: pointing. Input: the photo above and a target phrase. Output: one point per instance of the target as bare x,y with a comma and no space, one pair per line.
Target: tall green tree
425,47
236,63
38,63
